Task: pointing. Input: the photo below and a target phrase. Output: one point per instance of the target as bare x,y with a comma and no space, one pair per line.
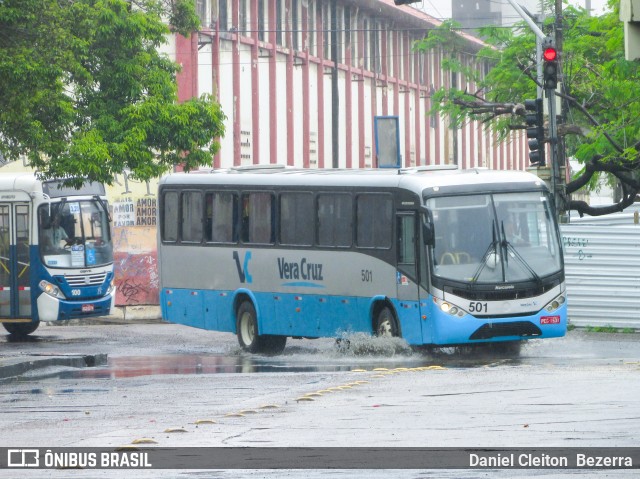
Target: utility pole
561,200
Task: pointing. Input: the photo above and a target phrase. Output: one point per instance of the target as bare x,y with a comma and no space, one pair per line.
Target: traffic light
535,131
550,68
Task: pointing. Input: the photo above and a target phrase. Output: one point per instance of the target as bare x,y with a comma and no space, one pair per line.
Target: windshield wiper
104,206
485,256
508,247
59,209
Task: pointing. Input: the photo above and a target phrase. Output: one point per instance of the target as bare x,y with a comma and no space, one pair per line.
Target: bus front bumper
451,330
54,309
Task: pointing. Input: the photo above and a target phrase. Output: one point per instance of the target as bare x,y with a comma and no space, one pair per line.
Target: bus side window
221,214
192,216
296,219
335,220
257,218
373,220
170,216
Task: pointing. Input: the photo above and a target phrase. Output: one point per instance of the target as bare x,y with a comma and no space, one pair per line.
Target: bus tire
273,344
247,332
19,330
386,325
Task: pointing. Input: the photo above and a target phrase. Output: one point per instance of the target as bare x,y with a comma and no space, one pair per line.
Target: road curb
18,367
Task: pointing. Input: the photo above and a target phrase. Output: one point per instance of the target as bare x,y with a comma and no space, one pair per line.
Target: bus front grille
86,279
492,295
498,330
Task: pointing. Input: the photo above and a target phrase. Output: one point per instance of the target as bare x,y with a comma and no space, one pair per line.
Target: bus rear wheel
247,331
386,325
19,330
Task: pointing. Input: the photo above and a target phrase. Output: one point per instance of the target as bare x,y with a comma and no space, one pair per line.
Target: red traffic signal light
550,54
550,68
550,65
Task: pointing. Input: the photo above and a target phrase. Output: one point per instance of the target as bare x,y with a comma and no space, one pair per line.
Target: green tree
85,93
600,94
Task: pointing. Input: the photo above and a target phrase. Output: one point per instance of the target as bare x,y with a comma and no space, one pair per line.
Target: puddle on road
188,364
134,366
353,351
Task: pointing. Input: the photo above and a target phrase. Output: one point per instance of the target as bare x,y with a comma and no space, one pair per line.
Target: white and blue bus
437,256
56,253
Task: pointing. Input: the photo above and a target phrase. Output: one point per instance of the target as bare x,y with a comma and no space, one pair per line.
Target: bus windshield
494,238
74,234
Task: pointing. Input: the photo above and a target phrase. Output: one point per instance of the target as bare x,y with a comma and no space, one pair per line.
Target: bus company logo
243,271
23,458
302,270
507,286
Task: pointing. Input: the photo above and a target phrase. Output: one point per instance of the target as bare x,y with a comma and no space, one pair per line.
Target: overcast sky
442,9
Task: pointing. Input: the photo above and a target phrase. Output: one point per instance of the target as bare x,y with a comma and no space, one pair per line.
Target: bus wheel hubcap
385,329
247,328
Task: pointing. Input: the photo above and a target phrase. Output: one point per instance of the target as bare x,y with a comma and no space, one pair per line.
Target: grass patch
609,329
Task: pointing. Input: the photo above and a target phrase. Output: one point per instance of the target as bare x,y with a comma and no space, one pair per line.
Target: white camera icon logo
23,458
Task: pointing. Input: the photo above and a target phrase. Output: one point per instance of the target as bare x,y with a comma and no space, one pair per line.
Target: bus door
15,291
408,284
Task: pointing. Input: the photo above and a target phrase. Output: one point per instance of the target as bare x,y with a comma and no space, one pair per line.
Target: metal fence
602,260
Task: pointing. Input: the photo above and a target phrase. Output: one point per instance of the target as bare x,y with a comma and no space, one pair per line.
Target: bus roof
28,182
414,179
20,181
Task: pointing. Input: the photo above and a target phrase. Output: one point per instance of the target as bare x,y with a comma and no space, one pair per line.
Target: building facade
302,83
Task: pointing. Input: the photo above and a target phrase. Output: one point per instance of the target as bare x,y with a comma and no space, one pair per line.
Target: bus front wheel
386,325
21,329
247,331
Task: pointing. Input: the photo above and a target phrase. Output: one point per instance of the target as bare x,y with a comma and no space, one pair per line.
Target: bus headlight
449,308
112,287
51,289
555,304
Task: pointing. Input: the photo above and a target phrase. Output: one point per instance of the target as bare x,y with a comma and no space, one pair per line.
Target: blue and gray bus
435,255
56,253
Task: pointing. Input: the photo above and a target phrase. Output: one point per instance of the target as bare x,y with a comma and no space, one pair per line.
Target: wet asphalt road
170,385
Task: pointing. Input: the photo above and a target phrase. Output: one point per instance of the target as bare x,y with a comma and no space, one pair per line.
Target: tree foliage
600,94
85,92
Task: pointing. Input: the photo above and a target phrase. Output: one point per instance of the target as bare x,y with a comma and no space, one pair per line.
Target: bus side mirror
427,233
427,227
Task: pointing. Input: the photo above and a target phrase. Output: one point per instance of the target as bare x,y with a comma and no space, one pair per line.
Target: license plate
550,320
87,308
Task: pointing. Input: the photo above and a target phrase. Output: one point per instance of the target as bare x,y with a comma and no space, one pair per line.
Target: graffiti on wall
137,279
577,246
136,265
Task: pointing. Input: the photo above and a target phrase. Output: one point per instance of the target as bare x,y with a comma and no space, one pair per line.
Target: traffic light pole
536,29
556,184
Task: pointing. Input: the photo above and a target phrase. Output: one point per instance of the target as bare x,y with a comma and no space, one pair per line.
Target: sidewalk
12,366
